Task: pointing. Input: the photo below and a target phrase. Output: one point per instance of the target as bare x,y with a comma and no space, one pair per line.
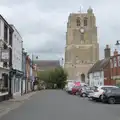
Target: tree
57,76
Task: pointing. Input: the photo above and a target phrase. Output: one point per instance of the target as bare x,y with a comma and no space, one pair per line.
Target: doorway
82,77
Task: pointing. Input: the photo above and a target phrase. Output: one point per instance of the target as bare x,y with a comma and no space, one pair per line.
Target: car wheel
100,98
83,95
103,101
111,100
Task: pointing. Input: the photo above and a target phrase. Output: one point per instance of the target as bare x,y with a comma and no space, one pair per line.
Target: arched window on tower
85,21
78,21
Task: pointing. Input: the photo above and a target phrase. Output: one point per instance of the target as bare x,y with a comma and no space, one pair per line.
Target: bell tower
82,48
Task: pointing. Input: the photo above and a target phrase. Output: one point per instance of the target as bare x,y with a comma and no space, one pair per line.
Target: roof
1,17
99,65
15,30
47,64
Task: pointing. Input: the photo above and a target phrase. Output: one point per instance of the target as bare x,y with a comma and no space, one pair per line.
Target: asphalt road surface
58,105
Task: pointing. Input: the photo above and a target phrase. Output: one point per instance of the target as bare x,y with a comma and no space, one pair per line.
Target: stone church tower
82,48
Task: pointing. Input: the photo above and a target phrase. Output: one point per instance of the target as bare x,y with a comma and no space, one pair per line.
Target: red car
75,90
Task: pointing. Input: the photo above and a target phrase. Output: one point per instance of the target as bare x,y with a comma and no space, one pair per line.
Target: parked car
85,91
75,90
111,96
94,88
100,90
69,87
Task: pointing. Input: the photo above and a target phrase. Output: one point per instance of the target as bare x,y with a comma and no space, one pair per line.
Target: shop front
4,84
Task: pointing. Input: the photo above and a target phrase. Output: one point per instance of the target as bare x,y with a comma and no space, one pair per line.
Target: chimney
107,52
115,52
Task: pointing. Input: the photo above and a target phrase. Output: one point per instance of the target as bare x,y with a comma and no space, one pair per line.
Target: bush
54,78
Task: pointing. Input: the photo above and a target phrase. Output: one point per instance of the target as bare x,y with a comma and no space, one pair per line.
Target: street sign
5,55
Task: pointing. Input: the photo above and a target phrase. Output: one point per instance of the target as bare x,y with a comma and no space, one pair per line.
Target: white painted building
6,32
96,78
96,73
17,46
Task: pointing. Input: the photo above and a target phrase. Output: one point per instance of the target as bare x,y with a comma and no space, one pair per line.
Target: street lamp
117,42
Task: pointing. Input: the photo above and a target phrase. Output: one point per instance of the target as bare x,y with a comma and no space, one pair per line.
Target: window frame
85,21
78,22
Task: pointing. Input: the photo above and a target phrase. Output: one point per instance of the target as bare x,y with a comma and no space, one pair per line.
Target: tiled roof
46,64
99,65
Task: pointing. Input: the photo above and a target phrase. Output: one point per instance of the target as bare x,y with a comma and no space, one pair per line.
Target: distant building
82,48
47,64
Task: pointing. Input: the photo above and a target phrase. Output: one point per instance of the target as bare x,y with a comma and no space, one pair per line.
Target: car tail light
103,92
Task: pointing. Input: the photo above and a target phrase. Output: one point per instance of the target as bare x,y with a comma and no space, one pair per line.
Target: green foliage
57,77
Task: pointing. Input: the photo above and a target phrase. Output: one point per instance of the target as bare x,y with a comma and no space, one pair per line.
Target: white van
69,87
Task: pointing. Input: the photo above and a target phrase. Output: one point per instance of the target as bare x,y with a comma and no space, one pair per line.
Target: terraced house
6,32
106,71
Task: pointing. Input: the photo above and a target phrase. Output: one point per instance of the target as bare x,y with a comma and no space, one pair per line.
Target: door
117,95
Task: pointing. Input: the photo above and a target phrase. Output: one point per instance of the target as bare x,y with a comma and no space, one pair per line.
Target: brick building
107,70
115,67
28,65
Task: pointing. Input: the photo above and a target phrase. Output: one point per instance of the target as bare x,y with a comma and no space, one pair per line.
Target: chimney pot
107,51
115,52
107,46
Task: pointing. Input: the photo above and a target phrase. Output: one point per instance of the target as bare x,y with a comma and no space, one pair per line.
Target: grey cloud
42,23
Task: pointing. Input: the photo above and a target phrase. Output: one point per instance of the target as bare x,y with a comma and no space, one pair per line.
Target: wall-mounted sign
5,55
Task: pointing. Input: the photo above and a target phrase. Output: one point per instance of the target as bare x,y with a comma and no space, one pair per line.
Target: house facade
115,68
17,46
28,74
96,73
99,74
96,78
24,81
106,71
6,32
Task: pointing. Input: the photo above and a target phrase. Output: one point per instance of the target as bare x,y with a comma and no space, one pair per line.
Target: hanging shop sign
5,55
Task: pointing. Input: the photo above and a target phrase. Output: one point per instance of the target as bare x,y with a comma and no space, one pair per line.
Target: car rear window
104,88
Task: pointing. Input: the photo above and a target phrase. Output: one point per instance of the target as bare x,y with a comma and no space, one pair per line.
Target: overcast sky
42,23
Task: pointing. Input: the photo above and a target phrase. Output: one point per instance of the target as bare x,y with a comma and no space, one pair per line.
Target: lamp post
117,43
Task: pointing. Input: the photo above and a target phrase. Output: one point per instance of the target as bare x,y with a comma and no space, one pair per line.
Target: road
58,105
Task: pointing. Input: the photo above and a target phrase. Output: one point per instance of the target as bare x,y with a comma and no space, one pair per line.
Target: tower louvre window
78,21
85,21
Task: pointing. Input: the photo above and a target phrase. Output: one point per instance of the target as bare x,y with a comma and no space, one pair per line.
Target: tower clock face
82,30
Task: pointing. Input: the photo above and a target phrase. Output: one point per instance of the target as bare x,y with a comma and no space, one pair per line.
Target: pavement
58,105
7,106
